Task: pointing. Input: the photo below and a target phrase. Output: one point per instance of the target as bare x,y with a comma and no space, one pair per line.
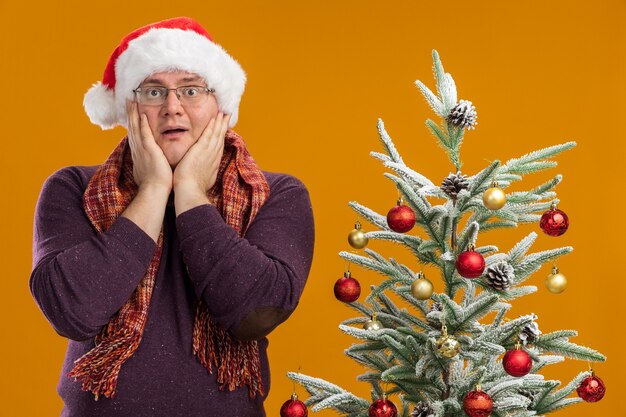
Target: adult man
167,265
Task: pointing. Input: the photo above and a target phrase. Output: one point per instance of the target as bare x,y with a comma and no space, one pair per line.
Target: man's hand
151,172
150,166
196,173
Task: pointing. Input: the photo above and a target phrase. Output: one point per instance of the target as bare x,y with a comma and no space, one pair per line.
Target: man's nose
172,104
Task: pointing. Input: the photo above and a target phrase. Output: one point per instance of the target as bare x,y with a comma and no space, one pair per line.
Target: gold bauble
357,238
556,282
494,198
448,346
422,288
372,325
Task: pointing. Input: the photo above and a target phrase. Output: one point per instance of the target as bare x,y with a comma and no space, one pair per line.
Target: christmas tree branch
534,261
416,180
416,321
474,311
501,333
431,99
444,140
532,162
545,187
371,216
558,400
317,384
450,137
394,155
481,181
521,247
557,342
381,267
525,197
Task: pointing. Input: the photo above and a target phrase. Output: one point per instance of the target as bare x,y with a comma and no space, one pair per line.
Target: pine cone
500,275
422,409
454,183
530,333
463,115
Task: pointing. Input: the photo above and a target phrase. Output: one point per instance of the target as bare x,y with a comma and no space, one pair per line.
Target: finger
219,120
133,121
220,130
225,124
145,130
207,133
218,147
132,141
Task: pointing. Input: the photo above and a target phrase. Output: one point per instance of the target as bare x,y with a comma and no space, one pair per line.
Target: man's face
176,127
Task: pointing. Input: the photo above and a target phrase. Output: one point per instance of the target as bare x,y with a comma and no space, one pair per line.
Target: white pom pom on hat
173,44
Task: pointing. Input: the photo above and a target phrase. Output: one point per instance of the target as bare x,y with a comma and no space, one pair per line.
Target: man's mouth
173,131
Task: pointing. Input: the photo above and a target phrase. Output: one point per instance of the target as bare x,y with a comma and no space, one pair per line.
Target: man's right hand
151,172
150,166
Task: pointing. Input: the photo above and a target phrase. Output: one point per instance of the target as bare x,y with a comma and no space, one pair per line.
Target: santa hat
173,44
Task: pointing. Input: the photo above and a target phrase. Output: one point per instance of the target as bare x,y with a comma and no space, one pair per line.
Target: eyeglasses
153,95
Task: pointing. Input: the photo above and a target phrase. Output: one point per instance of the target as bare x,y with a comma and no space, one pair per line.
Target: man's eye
153,92
191,91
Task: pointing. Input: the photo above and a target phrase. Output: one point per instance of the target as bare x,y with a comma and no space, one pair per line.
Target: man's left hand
196,172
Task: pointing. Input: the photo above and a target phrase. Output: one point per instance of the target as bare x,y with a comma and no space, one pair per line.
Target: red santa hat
174,44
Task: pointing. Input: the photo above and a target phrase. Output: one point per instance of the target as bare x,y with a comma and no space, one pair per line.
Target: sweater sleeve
251,284
81,278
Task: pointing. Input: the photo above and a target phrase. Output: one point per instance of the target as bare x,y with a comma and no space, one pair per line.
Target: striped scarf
240,190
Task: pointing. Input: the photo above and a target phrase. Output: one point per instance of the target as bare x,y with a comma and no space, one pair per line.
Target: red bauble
401,218
470,264
517,362
554,222
293,408
592,389
383,408
477,404
347,289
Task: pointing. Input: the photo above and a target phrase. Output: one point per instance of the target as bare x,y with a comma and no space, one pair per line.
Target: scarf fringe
238,363
99,368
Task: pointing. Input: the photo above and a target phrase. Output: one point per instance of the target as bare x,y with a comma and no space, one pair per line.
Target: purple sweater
81,278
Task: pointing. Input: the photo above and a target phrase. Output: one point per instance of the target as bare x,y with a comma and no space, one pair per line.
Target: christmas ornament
293,408
422,288
383,408
530,333
357,238
517,362
373,324
500,275
401,218
554,222
447,346
347,289
477,403
494,198
556,282
422,409
463,115
591,389
470,264
453,184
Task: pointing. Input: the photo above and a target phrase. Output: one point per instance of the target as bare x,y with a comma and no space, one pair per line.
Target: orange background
320,74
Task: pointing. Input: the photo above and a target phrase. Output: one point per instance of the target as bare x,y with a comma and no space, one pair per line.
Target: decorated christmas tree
454,353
